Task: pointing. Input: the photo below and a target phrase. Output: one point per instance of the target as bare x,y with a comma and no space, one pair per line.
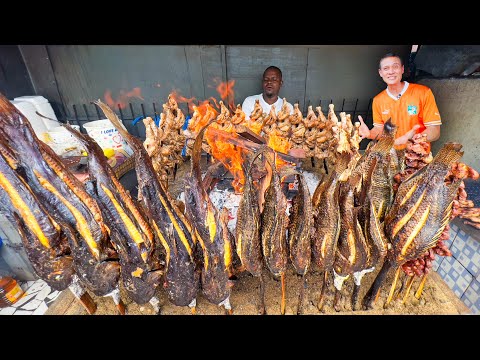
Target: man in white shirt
271,83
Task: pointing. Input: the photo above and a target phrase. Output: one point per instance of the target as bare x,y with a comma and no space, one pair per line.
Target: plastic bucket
107,136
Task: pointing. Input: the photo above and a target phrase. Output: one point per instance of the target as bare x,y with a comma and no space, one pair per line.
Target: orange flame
231,157
121,102
225,89
280,144
182,99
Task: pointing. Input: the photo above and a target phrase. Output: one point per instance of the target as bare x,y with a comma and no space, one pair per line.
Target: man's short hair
387,55
273,68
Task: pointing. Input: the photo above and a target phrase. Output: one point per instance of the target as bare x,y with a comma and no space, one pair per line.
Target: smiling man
411,107
271,83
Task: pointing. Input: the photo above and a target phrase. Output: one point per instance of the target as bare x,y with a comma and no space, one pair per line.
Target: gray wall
14,78
458,101
78,74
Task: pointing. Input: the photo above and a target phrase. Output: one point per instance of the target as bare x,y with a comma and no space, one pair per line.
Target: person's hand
401,140
363,130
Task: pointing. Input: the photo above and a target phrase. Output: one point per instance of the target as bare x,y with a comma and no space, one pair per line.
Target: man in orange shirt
411,107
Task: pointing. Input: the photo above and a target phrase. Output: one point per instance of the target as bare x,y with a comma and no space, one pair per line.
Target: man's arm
433,132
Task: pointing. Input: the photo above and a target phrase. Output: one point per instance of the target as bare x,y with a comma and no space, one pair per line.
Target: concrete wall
458,101
70,75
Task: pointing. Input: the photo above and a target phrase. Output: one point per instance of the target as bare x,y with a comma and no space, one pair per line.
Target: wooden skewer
392,289
284,300
420,287
409,286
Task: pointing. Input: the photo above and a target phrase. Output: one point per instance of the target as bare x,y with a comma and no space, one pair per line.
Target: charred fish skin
379,155
300,231
40,238
216,248
129,231
65,198
248,243
348,251
422,207
274,222
170,226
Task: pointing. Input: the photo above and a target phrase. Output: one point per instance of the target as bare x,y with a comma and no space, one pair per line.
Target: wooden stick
418,294
88,303
284,300
392,289
409,286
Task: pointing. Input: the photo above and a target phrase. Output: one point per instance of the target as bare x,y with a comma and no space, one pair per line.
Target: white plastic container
62,141
43,107
107,136
28,110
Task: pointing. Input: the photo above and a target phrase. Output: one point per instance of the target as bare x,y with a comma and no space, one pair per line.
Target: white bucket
107,136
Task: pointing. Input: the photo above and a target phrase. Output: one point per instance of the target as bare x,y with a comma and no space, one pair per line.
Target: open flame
122,99
225,89
280,144
231,157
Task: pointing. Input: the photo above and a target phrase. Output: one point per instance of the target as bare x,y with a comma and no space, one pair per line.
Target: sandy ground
437,298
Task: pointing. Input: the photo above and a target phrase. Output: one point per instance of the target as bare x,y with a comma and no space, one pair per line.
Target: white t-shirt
249,103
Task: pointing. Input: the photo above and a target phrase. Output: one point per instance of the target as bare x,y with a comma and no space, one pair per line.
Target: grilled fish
65,199
216,246
42,238
326,222
419,214
274,220
247,229
300,233
170,226
130,231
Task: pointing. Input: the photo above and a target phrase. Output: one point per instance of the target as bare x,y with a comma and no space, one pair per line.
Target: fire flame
280,144
122,99
225,89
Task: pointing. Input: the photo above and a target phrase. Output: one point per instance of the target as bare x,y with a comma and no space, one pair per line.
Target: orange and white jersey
414,105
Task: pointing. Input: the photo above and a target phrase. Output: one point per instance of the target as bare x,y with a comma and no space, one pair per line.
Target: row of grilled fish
97,231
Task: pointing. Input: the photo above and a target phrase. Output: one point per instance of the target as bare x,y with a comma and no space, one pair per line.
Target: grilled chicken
130,231
209,230
418,216
65,199
274,220
170,226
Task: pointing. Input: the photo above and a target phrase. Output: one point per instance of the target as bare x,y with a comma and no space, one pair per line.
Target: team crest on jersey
412,110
